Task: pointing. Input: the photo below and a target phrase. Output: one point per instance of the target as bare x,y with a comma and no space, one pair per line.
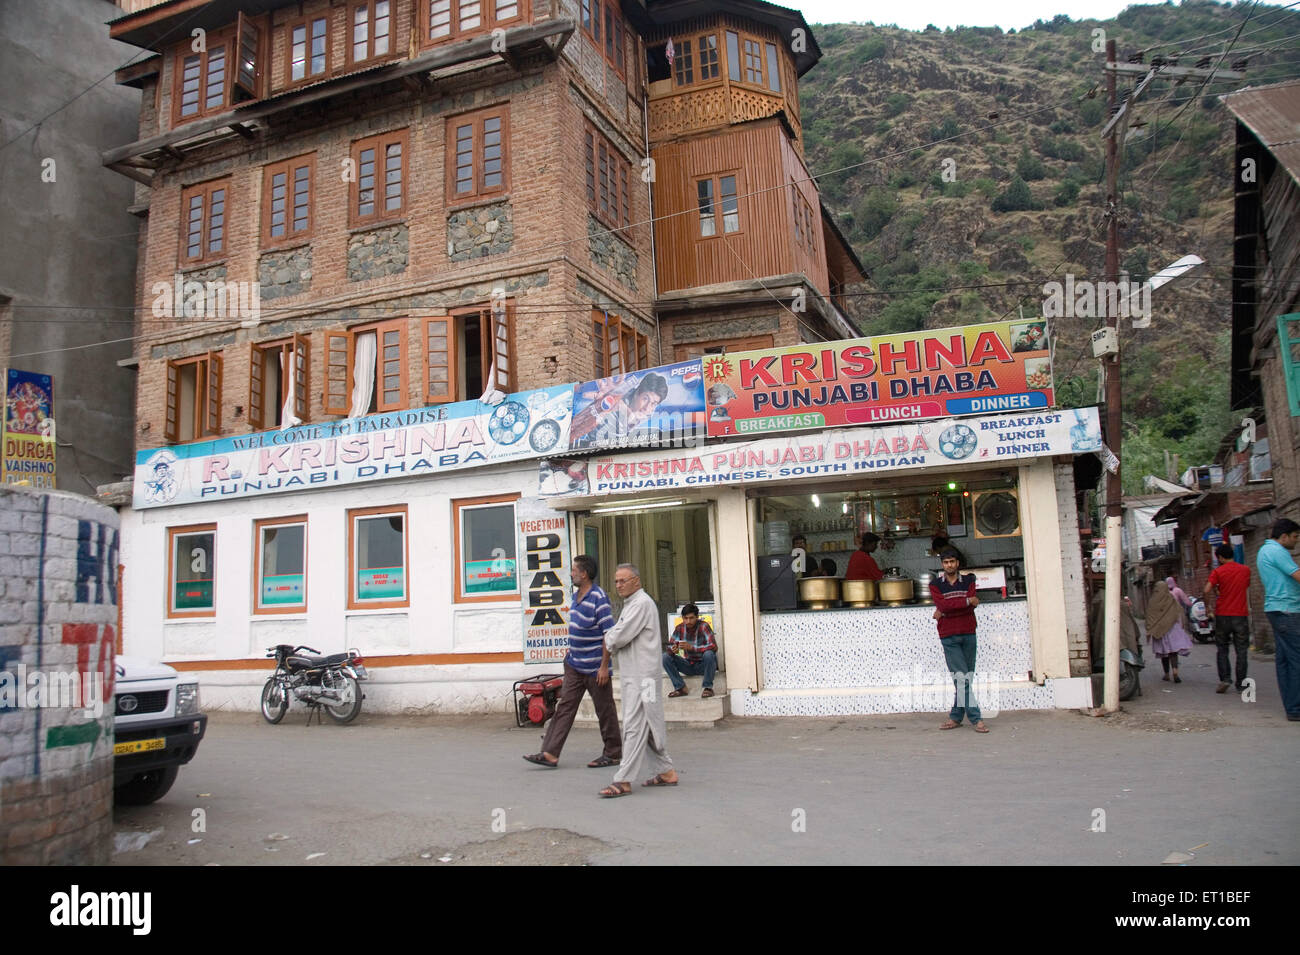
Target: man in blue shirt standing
1281,579
586,670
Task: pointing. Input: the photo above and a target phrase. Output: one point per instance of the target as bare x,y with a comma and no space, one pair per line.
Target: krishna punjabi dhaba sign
975,369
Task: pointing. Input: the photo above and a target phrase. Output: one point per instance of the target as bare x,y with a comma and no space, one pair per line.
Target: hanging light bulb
817,501
844,508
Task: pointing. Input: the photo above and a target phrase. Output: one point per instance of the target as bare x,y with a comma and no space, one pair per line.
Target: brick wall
547,266
58,598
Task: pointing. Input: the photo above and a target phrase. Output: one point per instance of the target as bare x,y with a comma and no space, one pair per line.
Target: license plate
360,671
138,746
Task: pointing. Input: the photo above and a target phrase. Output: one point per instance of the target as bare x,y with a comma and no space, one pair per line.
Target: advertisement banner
657,407
866,451
416,443
29,446
543,549
977,369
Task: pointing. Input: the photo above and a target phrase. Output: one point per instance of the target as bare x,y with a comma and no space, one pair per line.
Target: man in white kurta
634,643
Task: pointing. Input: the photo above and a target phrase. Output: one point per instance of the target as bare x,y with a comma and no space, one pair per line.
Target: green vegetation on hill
973,157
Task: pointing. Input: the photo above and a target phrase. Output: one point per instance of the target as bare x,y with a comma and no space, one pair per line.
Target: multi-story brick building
434,198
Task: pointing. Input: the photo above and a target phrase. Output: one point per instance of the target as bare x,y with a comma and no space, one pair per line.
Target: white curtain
363,373
287,418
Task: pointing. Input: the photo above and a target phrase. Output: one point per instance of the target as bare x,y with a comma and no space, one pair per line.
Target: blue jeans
959,654
1286,636
676,666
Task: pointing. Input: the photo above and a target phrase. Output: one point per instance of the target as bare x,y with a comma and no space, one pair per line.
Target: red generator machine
535,698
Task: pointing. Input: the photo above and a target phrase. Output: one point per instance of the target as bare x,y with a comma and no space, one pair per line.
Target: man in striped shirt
586,670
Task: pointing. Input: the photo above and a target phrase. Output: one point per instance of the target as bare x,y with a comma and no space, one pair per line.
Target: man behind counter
862,566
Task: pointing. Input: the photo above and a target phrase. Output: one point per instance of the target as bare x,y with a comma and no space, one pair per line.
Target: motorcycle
332,682
1202,624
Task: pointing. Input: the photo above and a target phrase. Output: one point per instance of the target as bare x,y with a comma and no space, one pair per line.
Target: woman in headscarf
1165,630
1178,593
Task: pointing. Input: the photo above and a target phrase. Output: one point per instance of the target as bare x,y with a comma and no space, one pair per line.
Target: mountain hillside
966,167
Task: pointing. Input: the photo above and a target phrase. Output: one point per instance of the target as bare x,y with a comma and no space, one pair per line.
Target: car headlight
187,699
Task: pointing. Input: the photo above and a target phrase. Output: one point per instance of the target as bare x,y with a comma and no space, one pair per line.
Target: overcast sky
1008,14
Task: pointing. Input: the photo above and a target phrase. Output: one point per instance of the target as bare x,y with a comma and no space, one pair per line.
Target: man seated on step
694,637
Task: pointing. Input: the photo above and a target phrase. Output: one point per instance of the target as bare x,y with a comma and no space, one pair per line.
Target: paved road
1180,769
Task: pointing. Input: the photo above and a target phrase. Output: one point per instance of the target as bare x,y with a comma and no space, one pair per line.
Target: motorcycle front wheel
349,691
274,701
1128,681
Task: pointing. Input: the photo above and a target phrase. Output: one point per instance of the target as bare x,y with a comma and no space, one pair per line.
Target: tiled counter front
889,660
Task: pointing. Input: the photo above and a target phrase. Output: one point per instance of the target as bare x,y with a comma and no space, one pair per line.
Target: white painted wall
432,624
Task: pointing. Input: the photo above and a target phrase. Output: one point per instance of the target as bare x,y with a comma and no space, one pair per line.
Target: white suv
157,726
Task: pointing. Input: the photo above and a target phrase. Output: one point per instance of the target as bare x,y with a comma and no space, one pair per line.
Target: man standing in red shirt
954,608
1231,620
862,566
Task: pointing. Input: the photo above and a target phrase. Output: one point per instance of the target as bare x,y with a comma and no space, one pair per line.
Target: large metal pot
819,592
895,591
923,588
858,593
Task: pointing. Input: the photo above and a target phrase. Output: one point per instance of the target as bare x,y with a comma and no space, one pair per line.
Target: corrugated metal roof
1272,113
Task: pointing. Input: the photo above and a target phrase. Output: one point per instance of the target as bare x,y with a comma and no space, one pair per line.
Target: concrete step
690,711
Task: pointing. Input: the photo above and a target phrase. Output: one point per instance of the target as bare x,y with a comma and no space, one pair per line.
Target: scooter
1202,624
1131,663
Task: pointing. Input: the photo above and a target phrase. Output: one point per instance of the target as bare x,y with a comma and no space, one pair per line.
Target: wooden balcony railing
712,107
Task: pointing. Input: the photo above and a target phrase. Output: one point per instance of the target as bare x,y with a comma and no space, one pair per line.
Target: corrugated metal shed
1272,113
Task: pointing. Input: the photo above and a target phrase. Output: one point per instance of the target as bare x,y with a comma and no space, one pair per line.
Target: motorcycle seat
303,661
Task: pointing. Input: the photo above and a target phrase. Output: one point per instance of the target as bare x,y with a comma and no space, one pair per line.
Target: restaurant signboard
862,451
976,369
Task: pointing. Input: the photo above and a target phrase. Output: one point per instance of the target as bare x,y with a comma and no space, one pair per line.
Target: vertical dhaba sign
543,548
977,369
29,429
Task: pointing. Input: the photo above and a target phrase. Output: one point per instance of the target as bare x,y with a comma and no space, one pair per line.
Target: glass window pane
216,221
216,78
730,204
301,194
471,14
773,69
709,57
360,33
683,64
298,54
439,19
733,56
284,565
487,548
380,558
704,195
381,28
318,28
193,570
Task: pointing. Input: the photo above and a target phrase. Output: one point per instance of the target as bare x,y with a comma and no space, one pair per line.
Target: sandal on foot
682,692
949,725
540,760
708,692
600,762
980,727
659,781
1177,678
614,790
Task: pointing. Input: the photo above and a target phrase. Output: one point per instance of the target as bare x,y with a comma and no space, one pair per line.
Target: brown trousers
571,691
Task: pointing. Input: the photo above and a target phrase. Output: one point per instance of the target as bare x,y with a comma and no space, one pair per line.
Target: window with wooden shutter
390,374
370,25
287,200
503,348
193,398
379,192
203,222
478,162
212,410
248,68
256,388
1288,341
307,47
301,377
440,377
617,346
338,397
451,19
608,179
171,421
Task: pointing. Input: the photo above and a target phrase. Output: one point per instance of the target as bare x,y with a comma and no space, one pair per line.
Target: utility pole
1117,123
